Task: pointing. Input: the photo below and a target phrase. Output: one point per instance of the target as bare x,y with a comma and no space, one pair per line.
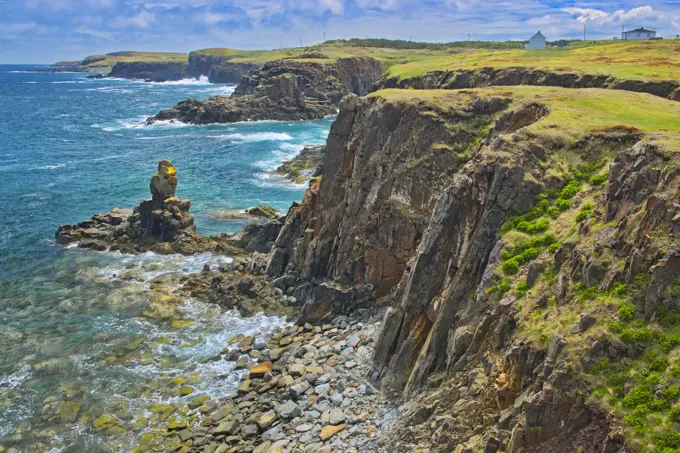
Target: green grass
104,63
573,112
643,60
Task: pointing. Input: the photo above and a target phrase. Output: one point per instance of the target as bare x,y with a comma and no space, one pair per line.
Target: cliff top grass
631,60
331,51
573,112
104,63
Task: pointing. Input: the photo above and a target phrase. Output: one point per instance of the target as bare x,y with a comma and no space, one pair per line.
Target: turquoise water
72,329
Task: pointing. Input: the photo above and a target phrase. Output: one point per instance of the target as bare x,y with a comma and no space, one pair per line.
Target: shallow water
74,339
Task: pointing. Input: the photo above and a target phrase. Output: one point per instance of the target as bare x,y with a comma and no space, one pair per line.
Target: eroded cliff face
386,165
412,211
153,72
483,77
282,90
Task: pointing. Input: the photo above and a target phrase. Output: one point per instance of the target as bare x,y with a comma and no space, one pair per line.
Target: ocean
75,343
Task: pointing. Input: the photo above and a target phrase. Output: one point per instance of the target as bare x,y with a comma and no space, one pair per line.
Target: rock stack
161,219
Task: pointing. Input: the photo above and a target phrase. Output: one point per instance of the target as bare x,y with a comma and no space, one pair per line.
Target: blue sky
43,31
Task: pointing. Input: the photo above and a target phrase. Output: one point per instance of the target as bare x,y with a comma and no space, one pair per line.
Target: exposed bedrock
285,90
161,224
218,68
408,213
152,72
482,77
385,166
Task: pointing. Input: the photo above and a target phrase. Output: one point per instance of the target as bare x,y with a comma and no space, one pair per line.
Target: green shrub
586,210
636,336
586,292
570,190
598,180
637,396
667,319
658,364
511,266
554,248
600,393
563,205
501,287
674,415
659,405
675,371
521,290
672,393
619,289
637,422
554,212
669,342
642,410
601,366
615,327
528,255
669,439
535,227
627,312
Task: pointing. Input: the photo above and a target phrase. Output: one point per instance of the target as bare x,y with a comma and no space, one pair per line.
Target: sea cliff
285,90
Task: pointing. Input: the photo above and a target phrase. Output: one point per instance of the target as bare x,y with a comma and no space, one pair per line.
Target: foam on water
67,313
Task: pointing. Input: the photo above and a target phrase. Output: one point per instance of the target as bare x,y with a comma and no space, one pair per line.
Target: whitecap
285,152
203,80
256,137
269,180
49,167
15,379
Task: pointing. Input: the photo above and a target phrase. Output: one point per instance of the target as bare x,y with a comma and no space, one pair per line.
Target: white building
639,34
537,42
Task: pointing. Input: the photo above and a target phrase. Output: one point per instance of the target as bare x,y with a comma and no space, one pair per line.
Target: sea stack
163,218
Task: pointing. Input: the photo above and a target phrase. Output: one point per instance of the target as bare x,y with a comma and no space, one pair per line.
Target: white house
537,42
639,34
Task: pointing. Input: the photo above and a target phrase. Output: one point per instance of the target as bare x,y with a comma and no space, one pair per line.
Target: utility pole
282,44
409,43
623,31
584,32
300,41
324,36
468,37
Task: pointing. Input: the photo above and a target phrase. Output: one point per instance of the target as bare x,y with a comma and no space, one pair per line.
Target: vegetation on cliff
106,62
629,60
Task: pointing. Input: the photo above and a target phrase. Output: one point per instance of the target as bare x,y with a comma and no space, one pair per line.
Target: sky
45,31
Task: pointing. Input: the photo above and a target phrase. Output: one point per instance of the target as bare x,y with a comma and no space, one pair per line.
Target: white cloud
335,6
215,18
95,33
143,19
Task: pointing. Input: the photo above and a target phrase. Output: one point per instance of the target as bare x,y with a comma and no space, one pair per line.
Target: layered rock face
150,72
162,223
458,79
410,212
218,68
386,164
285,90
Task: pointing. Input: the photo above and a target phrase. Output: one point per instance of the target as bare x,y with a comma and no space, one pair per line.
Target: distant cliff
156,71
218,68
283,90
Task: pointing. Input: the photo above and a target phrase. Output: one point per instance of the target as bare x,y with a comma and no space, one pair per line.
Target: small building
536,42
639,34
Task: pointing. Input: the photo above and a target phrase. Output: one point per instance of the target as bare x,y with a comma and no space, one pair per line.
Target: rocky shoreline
306,389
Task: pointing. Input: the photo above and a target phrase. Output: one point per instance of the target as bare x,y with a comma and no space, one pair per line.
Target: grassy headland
641,60
104,63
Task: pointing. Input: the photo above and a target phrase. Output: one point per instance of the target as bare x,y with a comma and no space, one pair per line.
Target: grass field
334,51
643,60
104,63
573,112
